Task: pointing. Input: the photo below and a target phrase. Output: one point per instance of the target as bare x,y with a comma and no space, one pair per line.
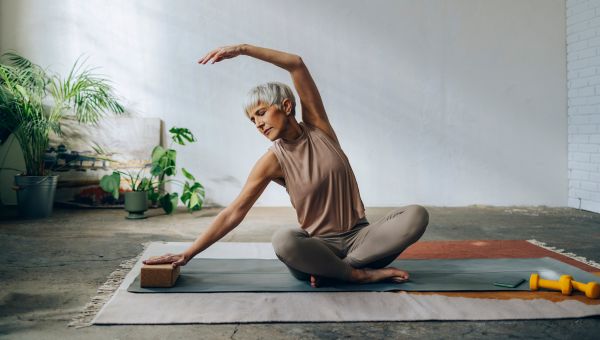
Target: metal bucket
35,195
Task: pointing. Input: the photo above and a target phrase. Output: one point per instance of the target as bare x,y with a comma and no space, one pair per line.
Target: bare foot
368,275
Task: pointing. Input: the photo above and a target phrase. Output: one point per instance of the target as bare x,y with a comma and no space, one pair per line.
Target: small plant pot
35,195
136,203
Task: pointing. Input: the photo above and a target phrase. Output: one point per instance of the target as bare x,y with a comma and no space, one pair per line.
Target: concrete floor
52,267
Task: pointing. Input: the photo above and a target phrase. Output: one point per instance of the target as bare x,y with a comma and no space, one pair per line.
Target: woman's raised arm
313,110
284,60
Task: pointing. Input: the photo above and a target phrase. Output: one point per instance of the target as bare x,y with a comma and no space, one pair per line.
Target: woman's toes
399,275
403,277
399,279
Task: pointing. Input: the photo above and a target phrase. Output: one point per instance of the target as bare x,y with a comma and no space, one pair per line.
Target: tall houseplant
32,104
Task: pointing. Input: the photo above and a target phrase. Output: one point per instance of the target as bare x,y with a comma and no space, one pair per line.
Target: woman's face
269,120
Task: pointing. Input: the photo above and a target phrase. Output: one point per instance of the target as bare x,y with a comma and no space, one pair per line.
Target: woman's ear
287,106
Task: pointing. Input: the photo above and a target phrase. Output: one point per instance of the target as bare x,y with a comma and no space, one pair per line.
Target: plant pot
35,195
136,203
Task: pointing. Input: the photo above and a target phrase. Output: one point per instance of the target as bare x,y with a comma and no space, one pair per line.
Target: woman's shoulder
320,131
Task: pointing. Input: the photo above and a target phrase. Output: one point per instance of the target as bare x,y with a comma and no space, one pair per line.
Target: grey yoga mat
266,275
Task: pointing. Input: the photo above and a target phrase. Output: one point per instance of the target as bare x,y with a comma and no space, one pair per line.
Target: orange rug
472,249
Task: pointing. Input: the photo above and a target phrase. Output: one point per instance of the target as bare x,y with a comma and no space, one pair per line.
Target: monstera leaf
180,135
168,202
111,184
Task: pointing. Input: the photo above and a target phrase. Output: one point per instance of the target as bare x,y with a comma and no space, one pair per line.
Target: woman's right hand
221,53
175,259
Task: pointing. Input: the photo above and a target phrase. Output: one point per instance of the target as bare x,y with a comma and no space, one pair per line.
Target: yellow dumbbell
591,289
563,284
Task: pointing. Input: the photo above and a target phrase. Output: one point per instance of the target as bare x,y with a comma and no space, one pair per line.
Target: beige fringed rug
173,308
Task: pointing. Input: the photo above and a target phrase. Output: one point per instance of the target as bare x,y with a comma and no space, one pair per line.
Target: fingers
154,261
219,54
218,58
206,57
178,263
211,55
175,260
167,258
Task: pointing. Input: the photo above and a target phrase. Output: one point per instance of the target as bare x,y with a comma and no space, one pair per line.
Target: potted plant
136,200
163,168
32,104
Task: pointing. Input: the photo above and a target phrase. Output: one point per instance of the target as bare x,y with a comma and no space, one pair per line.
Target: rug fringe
105,292
565,253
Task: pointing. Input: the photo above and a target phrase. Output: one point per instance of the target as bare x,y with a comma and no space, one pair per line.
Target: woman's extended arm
313,110
266,169
288,61
284,60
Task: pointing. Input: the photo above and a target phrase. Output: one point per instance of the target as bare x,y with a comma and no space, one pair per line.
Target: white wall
435,102
583,66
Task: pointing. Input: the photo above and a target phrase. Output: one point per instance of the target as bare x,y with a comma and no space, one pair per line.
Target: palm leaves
22,89
85,92
25,86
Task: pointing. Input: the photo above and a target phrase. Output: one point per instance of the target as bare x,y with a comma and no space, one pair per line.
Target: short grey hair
272,93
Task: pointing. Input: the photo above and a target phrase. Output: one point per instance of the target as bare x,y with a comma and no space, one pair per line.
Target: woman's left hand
175,259
221,53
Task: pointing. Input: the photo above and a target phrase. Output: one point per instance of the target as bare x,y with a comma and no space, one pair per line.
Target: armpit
280,181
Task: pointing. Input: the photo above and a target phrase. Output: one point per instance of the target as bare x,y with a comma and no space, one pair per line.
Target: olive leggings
366,245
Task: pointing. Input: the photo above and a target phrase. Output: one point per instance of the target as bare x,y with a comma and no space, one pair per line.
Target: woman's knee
421,213
286,242
420,217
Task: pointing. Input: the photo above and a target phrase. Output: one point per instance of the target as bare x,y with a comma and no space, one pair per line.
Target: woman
334,240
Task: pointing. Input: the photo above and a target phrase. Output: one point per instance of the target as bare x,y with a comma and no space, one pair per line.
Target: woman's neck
292,132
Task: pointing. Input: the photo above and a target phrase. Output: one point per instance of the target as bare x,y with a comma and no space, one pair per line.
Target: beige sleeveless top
320,182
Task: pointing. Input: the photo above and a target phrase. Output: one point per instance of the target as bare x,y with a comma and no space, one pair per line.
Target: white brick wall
583,74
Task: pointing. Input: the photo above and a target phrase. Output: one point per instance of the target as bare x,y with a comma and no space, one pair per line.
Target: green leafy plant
163,166
111,183
33,102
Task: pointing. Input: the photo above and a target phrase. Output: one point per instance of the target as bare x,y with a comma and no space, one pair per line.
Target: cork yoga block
158,275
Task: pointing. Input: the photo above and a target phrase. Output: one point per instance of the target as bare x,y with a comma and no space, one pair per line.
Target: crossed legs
354,255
